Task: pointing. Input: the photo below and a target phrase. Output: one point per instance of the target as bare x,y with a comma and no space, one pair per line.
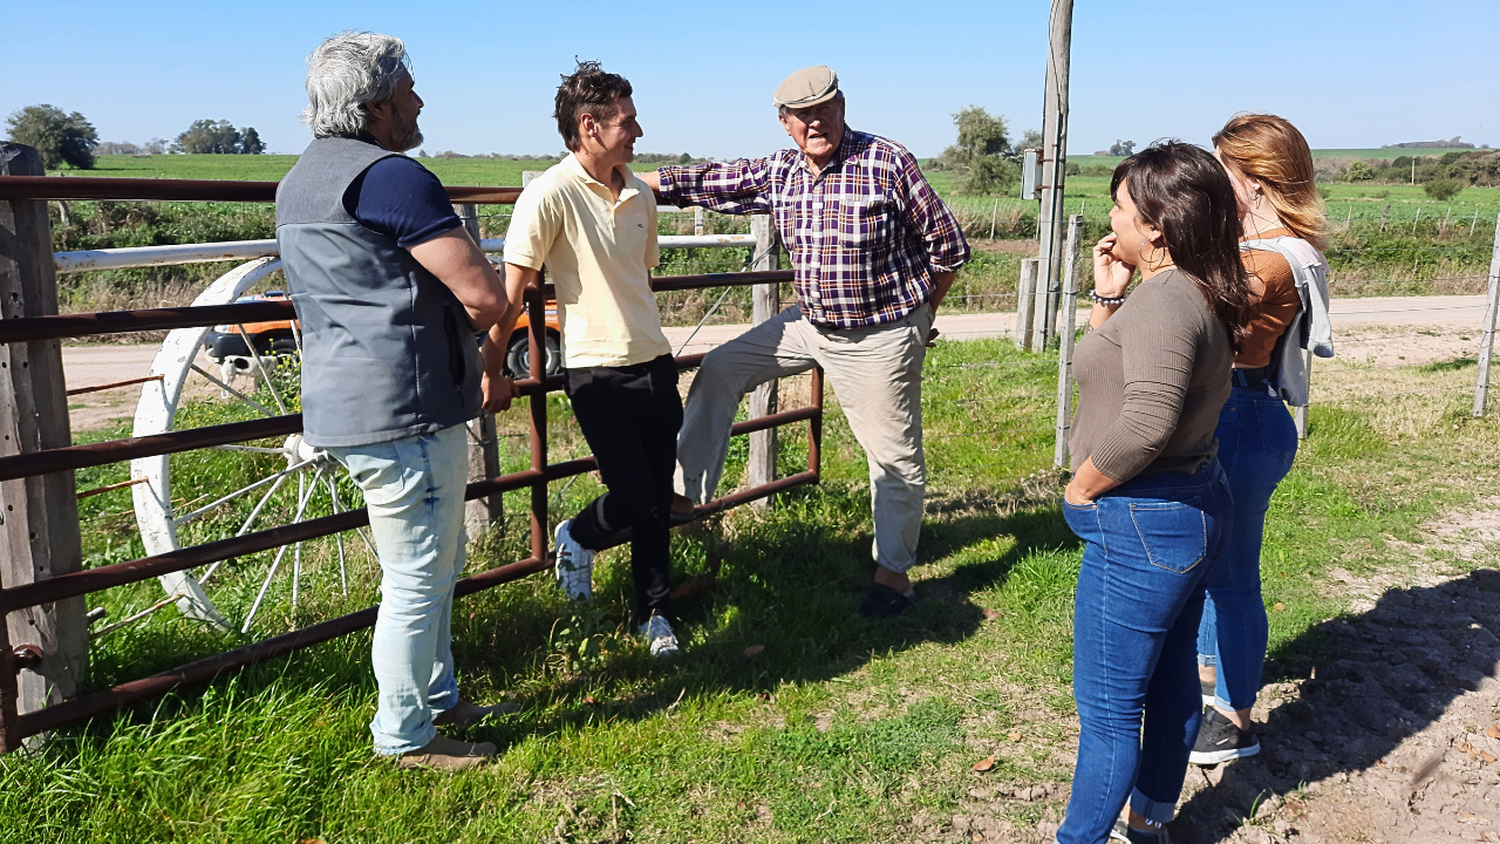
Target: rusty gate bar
28,329
115,451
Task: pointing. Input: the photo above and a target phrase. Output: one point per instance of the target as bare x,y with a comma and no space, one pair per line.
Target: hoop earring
1151,261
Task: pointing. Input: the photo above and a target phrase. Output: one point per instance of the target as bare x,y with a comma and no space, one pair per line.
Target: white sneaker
659,636
575,566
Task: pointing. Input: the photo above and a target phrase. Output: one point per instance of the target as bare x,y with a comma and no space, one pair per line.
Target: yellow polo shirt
597,251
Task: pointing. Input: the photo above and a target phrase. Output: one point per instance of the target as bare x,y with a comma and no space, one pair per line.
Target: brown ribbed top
1273,302
1151,382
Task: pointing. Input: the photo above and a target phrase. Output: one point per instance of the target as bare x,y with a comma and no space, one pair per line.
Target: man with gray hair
391,292
874,251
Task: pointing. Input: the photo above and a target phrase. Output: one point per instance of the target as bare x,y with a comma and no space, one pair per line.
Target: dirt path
1398,739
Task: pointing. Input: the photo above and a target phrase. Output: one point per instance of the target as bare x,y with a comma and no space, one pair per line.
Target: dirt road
1389,331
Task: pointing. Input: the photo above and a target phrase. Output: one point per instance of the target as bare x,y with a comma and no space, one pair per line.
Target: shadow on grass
789,588
1376,680
790,582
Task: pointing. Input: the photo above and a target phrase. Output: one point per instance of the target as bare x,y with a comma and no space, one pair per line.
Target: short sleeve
534,225
399,197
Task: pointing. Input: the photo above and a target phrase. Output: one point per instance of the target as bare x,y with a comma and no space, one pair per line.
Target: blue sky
1348,74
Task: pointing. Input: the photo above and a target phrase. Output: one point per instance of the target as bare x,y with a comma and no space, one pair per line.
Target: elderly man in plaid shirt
874,250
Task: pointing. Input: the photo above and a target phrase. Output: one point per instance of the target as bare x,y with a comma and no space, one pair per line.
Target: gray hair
345,72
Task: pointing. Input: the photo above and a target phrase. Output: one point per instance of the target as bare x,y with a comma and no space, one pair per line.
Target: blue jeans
414,489
1148,545
1257,442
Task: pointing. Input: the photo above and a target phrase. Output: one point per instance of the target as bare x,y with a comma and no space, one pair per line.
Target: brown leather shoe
683,509
446,754
465,714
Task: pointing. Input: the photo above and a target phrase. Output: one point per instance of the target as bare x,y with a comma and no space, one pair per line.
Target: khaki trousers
875,372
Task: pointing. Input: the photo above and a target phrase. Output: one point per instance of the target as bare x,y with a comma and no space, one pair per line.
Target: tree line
61,137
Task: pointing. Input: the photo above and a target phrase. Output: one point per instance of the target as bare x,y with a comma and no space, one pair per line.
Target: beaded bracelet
1106,300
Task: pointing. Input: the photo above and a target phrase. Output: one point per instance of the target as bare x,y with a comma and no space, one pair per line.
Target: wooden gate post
481,514
766,303
39,536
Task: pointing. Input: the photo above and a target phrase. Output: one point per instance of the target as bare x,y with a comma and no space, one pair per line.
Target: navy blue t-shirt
399,197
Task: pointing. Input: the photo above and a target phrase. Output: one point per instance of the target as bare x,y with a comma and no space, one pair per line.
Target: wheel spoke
186,517
276,563
250,520
261,366
232,391
338,538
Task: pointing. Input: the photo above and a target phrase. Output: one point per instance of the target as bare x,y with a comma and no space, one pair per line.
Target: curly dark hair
588,90
1182,190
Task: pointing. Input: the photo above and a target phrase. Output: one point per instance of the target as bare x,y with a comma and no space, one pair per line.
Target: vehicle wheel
234,489
518,355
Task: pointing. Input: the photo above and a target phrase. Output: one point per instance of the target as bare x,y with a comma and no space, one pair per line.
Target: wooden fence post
1026,301
766,304
1066,328
481,514
1487,336
38,515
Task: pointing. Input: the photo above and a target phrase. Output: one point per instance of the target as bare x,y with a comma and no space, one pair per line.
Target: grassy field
840,729
1425,246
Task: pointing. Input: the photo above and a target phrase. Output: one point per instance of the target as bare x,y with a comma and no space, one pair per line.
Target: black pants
630,416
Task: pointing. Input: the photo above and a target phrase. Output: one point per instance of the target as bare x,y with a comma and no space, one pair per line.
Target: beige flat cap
807,87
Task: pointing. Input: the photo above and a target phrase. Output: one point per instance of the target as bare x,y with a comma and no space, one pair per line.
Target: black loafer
884,602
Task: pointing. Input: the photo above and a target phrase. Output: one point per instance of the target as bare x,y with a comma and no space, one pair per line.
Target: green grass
841,729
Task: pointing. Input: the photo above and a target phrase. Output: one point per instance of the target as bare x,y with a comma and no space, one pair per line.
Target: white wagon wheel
314,493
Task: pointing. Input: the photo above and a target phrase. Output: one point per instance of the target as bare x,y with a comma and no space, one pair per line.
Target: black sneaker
1125,832
1219,740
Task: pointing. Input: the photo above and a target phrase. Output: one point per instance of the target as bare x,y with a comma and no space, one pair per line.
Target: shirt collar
572,165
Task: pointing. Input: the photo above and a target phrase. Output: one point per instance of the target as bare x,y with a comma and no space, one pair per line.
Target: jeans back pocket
1174,534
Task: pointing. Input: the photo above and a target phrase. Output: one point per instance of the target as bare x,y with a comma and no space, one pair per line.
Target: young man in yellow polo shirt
592,223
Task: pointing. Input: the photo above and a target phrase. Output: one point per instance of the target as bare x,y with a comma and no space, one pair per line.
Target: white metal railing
239,250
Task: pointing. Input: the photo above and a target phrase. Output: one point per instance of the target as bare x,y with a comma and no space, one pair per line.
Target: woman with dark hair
1271,170
1147,495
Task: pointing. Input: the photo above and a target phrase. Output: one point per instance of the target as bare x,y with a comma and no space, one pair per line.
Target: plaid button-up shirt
865,235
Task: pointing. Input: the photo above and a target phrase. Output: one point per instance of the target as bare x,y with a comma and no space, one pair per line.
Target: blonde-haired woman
1271,169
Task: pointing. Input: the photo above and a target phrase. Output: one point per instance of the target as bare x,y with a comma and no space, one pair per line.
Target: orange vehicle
278,337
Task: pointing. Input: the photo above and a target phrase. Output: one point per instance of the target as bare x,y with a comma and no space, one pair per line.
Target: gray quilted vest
387,350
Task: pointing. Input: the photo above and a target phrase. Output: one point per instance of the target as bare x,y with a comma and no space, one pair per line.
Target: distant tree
990,174
209,137
116,148
421,153
1443,189
57,137
979,134
1120,147
250,143
684,159
156,146
1358,171
1030,139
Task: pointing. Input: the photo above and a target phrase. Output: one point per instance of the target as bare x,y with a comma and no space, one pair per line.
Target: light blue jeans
1148,545
414,489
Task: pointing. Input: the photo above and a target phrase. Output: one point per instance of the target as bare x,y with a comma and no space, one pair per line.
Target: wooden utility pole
1051,216
766,303
39,536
